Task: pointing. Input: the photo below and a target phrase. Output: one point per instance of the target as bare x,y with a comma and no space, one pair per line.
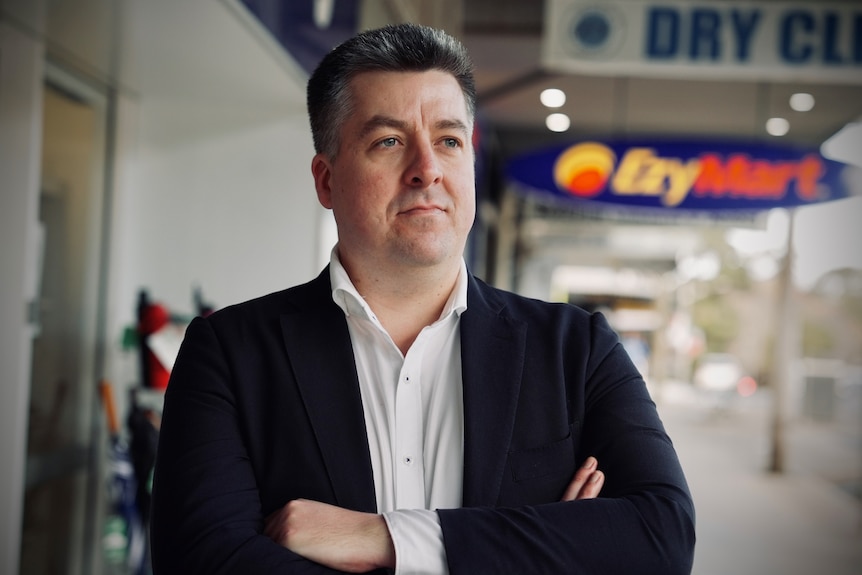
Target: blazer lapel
318,344
492,361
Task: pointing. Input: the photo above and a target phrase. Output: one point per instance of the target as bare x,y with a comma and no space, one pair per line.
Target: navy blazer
264,407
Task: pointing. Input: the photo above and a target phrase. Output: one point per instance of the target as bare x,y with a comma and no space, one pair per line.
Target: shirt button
408,461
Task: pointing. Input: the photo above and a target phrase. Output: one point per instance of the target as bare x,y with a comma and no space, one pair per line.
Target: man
397,412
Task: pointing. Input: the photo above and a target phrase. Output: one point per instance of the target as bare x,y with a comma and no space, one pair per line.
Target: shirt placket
409,457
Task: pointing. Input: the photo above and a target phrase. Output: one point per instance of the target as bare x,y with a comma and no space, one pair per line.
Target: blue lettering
662,33
830,39
791,24
744,31
705,28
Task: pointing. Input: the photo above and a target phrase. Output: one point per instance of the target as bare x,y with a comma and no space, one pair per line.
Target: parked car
718,372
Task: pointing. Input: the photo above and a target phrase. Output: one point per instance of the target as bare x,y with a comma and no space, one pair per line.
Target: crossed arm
208,495
357,542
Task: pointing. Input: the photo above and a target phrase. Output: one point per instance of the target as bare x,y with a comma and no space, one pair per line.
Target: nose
424,168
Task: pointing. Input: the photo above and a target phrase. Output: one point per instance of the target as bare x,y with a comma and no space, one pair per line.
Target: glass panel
62,387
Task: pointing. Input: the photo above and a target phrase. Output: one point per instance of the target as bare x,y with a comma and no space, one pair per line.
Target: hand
586,483
332,536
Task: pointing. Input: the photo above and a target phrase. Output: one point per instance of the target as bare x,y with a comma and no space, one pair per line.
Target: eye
452,142
388,142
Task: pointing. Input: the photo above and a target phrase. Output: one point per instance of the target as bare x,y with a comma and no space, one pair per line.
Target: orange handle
107,393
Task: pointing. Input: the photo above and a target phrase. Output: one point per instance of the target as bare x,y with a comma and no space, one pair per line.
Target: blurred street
806,521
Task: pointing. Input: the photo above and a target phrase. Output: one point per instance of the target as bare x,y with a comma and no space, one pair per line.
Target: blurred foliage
718,320
832,326
713,312
733,274
851,305
736,313
817,340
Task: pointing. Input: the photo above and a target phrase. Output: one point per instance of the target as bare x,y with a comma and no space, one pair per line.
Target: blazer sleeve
642,523
206,506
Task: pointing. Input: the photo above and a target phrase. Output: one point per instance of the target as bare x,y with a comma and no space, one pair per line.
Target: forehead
405,92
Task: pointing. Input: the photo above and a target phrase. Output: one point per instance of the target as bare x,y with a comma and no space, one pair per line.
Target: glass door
60,500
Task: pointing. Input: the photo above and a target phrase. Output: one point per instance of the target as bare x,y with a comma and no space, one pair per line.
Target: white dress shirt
414,417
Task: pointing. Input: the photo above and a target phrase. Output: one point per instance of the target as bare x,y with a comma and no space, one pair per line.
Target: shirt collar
345,295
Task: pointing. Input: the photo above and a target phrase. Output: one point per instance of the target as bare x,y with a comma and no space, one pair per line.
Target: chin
425,250
425,256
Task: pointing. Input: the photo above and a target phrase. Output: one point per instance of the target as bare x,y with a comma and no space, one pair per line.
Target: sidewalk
751,522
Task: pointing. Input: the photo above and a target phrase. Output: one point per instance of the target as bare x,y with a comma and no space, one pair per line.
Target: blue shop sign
681,175
307,29
728,39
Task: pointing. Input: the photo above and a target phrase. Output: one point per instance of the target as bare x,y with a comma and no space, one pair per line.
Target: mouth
422,210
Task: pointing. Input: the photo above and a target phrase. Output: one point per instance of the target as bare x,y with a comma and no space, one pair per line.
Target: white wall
214,184
224,202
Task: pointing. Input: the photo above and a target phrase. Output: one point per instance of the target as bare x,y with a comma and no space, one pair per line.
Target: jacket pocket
551,460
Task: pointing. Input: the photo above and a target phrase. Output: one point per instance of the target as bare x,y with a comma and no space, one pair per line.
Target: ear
322,171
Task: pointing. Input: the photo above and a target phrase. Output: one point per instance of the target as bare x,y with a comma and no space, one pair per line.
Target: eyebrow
453,125
382,121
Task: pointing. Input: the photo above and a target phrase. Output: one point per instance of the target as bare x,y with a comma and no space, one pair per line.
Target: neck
407,301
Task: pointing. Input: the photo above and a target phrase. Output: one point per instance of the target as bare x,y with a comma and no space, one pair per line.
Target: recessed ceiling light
558,122
802,102
777,126
552,97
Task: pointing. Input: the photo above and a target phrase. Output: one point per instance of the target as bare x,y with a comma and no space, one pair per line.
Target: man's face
402,185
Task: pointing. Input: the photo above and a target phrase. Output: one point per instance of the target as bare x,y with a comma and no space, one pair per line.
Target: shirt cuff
418,540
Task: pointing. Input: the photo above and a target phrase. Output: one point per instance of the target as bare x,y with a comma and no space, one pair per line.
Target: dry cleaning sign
798,41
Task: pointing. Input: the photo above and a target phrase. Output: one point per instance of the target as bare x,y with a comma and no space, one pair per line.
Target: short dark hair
393,48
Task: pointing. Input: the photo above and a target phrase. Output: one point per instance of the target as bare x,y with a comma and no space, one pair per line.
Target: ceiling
504,39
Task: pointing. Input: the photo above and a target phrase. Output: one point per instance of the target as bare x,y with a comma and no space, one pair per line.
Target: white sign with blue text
790,41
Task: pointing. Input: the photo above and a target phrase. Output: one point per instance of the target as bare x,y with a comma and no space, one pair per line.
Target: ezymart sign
793,41
680,176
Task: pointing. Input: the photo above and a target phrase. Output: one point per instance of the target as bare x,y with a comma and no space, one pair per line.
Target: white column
21,76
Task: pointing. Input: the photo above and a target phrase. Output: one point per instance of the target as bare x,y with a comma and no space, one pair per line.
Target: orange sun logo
583,170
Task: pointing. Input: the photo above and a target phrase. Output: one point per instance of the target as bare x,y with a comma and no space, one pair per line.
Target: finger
580,479
271,527
273,524
586,489
593,486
